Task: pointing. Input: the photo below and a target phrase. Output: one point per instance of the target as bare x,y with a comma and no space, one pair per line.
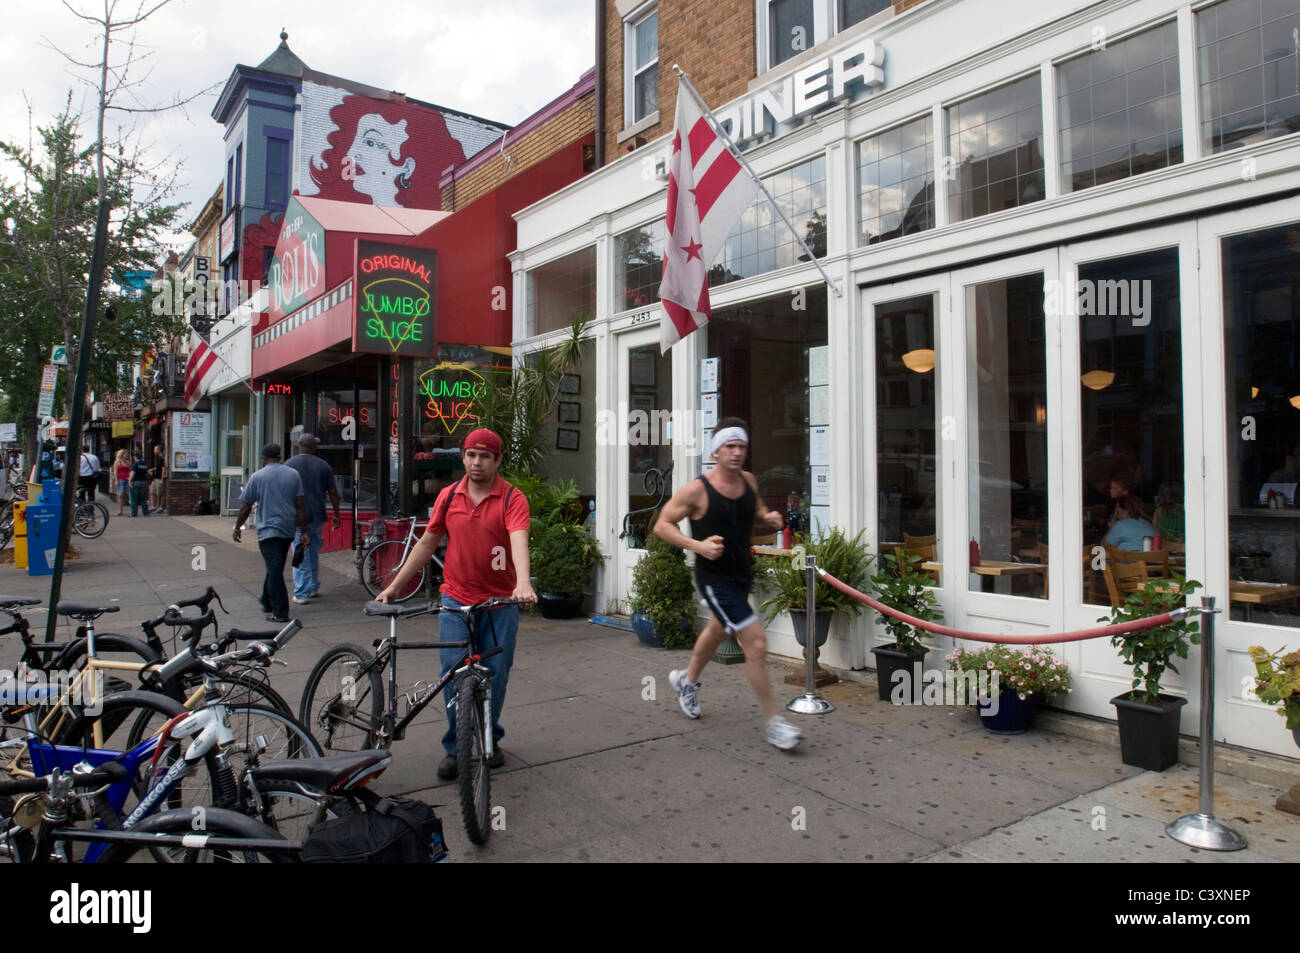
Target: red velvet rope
1138,625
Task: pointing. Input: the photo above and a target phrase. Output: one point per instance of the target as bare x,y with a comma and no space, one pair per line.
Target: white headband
726,435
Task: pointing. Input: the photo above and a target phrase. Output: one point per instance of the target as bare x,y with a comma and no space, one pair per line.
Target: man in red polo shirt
486,522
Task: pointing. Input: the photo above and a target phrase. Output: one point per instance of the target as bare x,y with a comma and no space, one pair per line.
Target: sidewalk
603,766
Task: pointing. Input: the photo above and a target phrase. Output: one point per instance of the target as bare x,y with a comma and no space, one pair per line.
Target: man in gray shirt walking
317,483
277,491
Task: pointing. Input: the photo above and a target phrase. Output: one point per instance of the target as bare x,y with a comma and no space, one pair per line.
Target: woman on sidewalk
122,479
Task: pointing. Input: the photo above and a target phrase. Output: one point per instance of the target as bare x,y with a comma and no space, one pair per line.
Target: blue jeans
493,627
139,497
306,578
275,597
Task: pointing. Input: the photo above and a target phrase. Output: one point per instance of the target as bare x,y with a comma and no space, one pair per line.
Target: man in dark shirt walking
277,491
317,483
139,485
724,506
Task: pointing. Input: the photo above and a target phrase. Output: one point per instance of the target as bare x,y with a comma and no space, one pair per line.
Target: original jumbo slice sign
392,289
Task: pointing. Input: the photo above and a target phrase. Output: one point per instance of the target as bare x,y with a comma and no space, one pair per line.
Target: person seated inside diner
1169,518
1128,525
1289,472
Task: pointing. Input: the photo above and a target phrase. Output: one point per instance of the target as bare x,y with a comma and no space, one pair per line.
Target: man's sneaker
686,692
498,759
301,602
782,734
447,768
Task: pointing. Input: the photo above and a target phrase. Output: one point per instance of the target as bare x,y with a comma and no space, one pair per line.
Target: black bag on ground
393,830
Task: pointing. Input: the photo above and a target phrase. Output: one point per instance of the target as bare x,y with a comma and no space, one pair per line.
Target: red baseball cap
482,439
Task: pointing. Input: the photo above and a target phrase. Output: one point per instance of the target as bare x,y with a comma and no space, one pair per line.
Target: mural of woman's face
377,146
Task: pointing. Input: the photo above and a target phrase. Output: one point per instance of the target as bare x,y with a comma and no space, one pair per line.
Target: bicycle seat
332,773
13,602
393,610
82,611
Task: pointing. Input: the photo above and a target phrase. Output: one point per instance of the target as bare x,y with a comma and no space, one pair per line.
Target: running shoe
782,734
686,692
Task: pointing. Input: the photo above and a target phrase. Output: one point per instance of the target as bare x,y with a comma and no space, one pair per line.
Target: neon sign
394,300
450,399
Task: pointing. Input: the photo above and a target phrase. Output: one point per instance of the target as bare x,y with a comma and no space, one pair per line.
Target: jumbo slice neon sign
394,308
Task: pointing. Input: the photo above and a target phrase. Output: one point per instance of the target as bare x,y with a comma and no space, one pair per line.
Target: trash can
42,538
20,533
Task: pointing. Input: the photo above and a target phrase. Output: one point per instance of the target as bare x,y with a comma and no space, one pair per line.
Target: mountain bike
344,705
380,564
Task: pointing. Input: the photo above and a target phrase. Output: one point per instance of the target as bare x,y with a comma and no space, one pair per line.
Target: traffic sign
49,377
59,355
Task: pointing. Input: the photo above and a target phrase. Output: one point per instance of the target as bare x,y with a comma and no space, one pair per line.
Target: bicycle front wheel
343,701
380,566
475,777
90,519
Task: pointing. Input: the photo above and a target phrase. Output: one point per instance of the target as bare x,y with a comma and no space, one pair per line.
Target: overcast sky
497,59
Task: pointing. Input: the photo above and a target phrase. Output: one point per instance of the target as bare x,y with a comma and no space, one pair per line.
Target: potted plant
563,556
1277,683
1149,720
784,579
904,587
663,597
1024,678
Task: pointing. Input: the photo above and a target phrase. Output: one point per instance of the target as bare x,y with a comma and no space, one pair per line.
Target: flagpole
717,127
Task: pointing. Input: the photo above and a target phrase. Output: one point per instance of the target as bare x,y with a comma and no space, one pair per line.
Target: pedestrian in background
317,483
122,478
277,491
139,485
88,474
159,472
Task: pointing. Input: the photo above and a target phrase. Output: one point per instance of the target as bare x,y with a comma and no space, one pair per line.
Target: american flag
200,371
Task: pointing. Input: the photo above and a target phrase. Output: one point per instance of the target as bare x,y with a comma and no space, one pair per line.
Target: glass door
644,431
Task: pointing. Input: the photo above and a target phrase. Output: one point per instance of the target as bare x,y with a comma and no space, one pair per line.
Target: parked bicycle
344,703
382,560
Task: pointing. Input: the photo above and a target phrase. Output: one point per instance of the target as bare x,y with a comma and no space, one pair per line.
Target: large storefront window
334,409
1249,57
763,347
1261,318
896,182
906,415
761,242
1119,110
562,290
1130,353
1006,381
638,265
995,141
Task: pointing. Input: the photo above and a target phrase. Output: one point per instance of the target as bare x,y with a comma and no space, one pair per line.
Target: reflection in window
1261,318
790,28
855,11
906,412
763,348
638,264
1006,381
1248,53
644,61
995,141
896,182
761,242
562,290
649,436
1119,110
1130,354
333,410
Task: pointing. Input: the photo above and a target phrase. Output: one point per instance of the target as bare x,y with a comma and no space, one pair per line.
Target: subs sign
393,292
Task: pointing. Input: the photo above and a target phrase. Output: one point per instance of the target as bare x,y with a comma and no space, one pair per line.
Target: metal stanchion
1202,829
810,703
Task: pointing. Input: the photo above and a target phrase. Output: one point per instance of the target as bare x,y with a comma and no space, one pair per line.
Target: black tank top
733,520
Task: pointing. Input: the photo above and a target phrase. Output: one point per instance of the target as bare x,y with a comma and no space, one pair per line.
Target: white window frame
631,121
826,17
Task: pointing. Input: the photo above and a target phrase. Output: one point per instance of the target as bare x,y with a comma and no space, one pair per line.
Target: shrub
662,589
562,559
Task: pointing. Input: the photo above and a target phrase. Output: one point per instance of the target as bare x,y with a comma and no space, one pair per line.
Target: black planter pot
890,660
1148,734
645,630
556,606
822,628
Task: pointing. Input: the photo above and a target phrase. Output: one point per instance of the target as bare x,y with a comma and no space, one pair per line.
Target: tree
48,221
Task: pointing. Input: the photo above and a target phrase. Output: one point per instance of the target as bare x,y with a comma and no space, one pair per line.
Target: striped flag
708,191
200,371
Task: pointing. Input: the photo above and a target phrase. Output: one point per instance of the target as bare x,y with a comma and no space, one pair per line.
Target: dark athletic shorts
729,603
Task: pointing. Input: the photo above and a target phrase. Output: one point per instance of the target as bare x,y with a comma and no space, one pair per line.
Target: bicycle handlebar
108,773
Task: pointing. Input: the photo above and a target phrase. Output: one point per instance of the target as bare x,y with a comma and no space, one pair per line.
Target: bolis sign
393,291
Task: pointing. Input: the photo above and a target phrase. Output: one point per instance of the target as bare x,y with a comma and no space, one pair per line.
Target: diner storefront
1067,264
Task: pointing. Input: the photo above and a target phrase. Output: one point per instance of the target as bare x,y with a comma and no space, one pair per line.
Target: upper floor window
277,172
793,26
638,265
562,290
995,149
641,70
1249,53
239,175
1119,110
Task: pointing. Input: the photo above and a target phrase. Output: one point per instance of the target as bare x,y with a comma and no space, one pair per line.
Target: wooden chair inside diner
1123,579
1040,555
927,547
1154,563
766,540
